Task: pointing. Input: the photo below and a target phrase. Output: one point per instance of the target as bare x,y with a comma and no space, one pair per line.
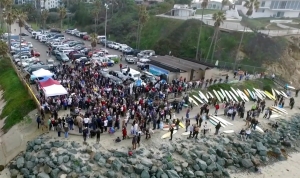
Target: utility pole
106,8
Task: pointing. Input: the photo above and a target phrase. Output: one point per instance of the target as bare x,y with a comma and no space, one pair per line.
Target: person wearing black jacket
218,126
171,130
97,136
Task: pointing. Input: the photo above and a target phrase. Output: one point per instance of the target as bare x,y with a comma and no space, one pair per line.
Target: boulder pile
47,157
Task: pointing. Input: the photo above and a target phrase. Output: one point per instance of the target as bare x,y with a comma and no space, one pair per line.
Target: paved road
42,48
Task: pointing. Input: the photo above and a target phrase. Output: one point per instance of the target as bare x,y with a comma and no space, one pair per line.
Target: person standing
171,132
58,130
197,117
177,124
217,107
138,139
38,120
84,134
124,132
205,127
86,121
218,126
196,131
98,136
66,129
134,140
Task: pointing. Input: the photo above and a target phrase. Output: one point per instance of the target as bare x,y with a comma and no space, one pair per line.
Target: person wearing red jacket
124,132
217,107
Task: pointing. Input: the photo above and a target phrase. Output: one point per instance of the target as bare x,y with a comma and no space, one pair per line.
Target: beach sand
282,169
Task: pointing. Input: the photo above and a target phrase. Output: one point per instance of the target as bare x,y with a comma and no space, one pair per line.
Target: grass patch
293,25
206,11
260,23
18,101
34,26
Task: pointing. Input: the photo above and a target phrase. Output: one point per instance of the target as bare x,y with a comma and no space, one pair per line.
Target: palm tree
7,5
62,14
219,18
203,6
224,3
94,40
3,48
143,18
96,12
21,17
45,15
10,18
250,5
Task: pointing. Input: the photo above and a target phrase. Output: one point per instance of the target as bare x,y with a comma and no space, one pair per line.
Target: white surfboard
242,96
259,129
185,133
262,93
258,94
245,96
221,95
224,95
166,129
234,91
167,135
198,99
250,93
212,96
229,96
203,96
212,122
291,87
191,100
273,116
223,120
216,94
254,95
217,121
207,96
278,93
228,131
273,92
283,94
234,97
280,109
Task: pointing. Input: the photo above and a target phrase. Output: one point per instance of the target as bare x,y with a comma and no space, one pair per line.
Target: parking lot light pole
106,8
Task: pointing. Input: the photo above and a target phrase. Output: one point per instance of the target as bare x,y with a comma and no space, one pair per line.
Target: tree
96,12
224,3
143,18
7,5
203,6
45,15
21,17
219,18
10,18
3,48
94,39
250,5
62,14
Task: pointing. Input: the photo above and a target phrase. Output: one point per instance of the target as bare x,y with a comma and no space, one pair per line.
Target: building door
280,14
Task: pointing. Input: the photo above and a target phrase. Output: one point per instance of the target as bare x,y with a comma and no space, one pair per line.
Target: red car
35,53
86,37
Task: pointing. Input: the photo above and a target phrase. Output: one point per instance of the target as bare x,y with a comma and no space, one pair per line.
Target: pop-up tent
54,90
42,73
49,82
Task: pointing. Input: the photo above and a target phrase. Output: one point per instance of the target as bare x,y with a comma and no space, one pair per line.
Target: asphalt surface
42,48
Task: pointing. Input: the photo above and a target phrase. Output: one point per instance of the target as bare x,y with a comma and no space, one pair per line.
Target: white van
132,73
101,37
34,33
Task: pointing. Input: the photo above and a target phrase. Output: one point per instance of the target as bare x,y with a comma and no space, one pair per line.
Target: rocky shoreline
216,157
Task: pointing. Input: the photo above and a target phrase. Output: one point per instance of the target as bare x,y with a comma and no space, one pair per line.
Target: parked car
130,59
62,57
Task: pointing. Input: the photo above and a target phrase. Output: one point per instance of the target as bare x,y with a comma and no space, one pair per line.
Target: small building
182,10
175,68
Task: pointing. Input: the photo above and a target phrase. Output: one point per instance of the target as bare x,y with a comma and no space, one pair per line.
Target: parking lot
42,48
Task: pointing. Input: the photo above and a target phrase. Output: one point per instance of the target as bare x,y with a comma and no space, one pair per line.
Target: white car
30,45
144,60
116,47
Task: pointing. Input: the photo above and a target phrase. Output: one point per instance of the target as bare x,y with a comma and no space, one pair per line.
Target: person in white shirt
86,121
105,125
248,133
205,128
135,128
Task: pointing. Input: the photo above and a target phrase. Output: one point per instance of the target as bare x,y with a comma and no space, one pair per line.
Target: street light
106,8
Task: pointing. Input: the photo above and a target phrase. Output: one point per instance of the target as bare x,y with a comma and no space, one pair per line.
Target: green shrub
224,86
267,88
116,60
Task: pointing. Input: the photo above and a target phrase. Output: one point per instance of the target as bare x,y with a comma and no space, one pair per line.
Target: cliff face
288,66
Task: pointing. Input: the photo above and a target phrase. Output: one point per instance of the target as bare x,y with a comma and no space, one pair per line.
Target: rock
164,175
110,174
27,156
60,160
281,158
172,174
25,172
20,162
186,155
116,165
145,174
65,169
57,144
38,141
255,161
185,164
29,165
153,170
36,147
111,160
129,168
260,146
75,144
159,172
286,144
120,153
41,154
73,151
43,175
246,163
225,141
220,161
277,150
66,158
211,151
211,168
84,169
13,173
146,162
138,168
202,164
213,158
97,156
47,169
101,162
205,157
170,166
54,172
132,161
217,174
199,174
178,169
196,167
190,173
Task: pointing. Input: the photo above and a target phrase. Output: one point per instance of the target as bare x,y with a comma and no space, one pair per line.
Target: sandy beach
287,169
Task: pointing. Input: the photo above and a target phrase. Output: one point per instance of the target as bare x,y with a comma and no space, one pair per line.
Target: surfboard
228,131
166,129
212,96
223,120
278,93
203,96
234,97
217,121
258,94
229,96
283,94
254,95
167,135
221,95
185,133
250,93
280,109
273,116
198,99
216,94
269,95
242,95
224,95
212,122
262,93
291,87
259,129
273,93
246,92
277,111
207,96
181,125
234,91
193,101
167,126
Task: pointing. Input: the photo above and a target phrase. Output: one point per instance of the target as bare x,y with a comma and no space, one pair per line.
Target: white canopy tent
55,90
42,73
